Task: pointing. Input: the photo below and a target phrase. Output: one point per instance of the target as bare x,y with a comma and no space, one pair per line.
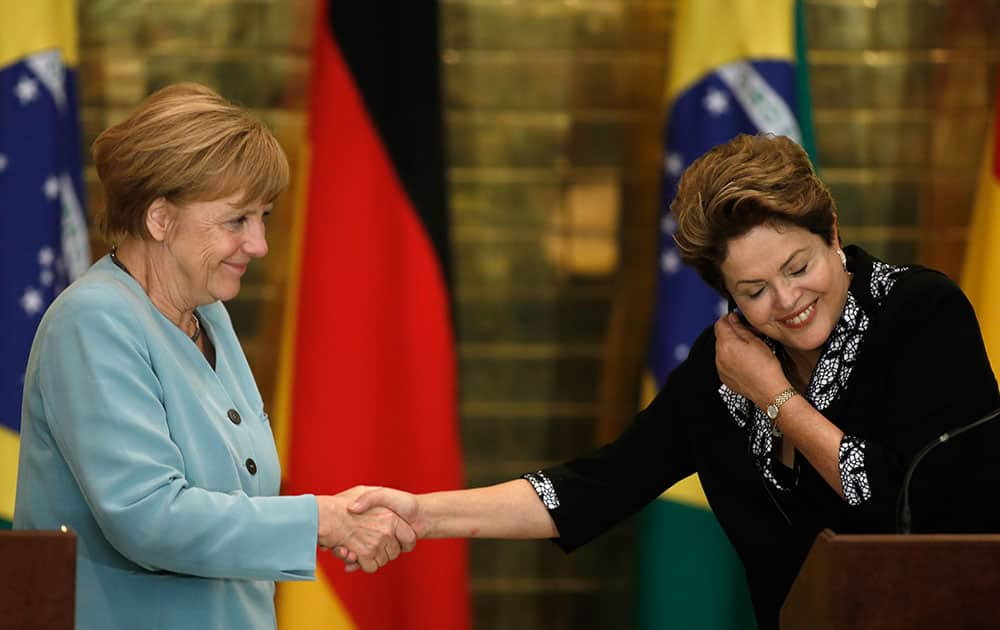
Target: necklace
197,322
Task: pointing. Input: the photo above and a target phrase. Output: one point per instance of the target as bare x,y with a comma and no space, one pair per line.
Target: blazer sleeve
590,494
938,378
102,401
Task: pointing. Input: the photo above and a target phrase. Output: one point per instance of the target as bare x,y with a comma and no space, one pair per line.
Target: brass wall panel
507,205
109,78
550,567
491,439
559,380
569,320
897,251
598,143
503,266
552,80
555,24
883,24
878,202
839,83
907,24
506,82
949,203
855,143
904,84
530,606
182,25
528,140
275,81
958,139
554,108
839,25
116,24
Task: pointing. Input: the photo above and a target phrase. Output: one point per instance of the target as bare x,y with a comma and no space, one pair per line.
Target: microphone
903,522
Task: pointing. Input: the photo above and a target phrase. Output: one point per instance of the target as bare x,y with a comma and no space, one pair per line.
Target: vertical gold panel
554,118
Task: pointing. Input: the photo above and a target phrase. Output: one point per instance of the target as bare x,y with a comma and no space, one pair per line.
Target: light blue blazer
130,438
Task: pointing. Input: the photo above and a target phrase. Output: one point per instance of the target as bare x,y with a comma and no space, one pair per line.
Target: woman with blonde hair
142,427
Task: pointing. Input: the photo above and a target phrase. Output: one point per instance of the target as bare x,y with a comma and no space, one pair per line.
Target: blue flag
43,232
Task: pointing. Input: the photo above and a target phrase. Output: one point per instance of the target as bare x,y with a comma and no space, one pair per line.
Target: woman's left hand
745,364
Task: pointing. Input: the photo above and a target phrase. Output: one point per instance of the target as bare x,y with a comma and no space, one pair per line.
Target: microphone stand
903,521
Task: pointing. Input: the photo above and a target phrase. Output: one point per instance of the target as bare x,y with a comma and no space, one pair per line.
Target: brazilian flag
733,70
43,232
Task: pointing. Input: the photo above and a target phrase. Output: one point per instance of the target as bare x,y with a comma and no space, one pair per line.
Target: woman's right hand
374,537
371,499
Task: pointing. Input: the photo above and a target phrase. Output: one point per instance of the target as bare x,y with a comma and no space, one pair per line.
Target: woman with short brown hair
750,181
799,414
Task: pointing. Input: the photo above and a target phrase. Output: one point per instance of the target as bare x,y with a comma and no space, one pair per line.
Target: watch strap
784,397
778,401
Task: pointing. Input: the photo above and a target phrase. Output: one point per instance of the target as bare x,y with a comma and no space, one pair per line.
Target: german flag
370,385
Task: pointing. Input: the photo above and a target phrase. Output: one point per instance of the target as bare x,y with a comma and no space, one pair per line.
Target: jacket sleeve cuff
853,472
543,486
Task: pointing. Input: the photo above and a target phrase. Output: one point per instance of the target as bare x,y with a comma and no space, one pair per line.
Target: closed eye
800,271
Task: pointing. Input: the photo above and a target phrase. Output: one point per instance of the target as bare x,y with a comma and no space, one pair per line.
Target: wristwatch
774,409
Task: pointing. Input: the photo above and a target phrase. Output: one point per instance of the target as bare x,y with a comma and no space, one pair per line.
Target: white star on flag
723,308
3,162
681,351
46,277
716,102
674,164
670,262
49,70
668,225
26,90
32,302
51,187
46,256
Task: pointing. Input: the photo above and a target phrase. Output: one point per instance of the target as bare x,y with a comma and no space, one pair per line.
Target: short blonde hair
184,143
736,186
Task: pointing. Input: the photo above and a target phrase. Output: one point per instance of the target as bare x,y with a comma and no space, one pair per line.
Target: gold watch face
772,411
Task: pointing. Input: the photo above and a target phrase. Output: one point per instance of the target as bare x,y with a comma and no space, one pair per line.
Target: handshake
366,527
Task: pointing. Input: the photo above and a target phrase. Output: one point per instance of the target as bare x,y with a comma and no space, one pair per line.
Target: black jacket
909,365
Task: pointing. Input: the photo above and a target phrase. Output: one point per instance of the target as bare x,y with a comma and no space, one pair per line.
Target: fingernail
355,507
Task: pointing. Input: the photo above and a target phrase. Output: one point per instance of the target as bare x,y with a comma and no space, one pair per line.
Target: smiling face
789,283
211,243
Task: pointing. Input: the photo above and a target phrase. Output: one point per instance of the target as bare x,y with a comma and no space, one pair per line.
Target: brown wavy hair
737,186
184,143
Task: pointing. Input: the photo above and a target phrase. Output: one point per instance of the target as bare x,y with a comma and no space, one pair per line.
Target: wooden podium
38,578
864,582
